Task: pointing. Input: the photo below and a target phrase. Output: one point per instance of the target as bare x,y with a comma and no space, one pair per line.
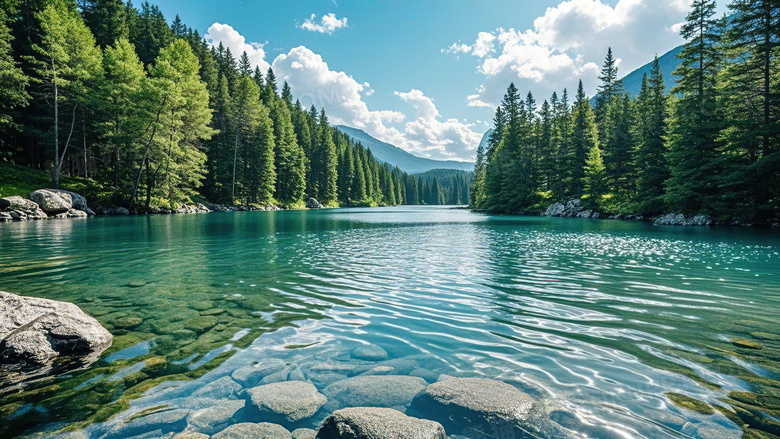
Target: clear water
600,320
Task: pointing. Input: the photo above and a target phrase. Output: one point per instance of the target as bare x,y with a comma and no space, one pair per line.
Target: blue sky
426,75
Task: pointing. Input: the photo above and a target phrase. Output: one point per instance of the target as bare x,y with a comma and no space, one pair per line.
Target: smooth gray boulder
78,201
248,430
311,203
289,400
462,402
214,418
378,423
52,202
36,330
304,433
221,388
369,353
375,390
250,376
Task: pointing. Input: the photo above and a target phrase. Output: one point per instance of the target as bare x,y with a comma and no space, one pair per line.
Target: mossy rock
201,305
212,312
127,322
747,344
201,324
689,403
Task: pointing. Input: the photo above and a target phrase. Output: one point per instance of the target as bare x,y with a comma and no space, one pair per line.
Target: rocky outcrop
290,400
462,402
569,209
20,209
52,202
377,423
34,330
679,219
311,203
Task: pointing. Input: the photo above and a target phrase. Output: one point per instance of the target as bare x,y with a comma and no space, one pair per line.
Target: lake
617,328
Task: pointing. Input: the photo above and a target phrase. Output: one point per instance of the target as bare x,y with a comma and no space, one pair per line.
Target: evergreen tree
594,181
245,116
695,122
173,161
123,107
107,19
149,32
328,189
13,81
651,166
287,96
289,159
583,139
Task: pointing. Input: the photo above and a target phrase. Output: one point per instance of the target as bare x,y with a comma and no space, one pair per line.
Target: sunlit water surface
596,319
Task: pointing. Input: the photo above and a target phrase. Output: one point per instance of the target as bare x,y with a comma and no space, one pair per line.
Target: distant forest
709,145
153,116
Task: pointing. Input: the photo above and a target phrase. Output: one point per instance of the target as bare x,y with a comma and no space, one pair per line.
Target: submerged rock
375,390
290,400
462,402
248,430
52,202
250,376
37,330
369,353
214,418
378,423
304,433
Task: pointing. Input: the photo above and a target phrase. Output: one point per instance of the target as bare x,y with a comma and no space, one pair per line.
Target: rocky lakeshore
58,204
573,208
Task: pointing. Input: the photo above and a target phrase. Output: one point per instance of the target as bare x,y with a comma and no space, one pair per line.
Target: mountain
485,138
396,156
632,82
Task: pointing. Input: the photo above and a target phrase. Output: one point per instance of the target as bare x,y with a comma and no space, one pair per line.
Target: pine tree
328,189
611,85
287,96
149,32
584,138
547,153
619,145
290,161
245,116
595,179
13,81
651,166
107,19
695,121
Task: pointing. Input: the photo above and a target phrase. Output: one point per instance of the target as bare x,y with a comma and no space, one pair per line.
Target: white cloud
569,42
313,82
237,44
327,25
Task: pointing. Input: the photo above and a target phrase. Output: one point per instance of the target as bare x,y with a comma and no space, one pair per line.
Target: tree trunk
235,156
56,130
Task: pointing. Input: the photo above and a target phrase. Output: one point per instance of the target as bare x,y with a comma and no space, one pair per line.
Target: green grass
21,181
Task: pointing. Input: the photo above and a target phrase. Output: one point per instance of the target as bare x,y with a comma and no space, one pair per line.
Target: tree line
709,145
155,116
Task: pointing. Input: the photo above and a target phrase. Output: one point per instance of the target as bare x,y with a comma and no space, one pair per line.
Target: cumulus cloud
569,42
327,25
230,38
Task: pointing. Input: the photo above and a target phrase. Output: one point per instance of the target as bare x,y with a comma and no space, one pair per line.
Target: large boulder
79,202
289,400
377,423
461,403
34,330
20,209
569,208
311,203
678,219
375,391
52,202
248,430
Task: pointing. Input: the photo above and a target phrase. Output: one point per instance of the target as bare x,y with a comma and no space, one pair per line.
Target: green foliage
13,81
595,180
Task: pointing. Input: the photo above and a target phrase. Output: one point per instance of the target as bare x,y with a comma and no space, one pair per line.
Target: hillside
633,81
387,153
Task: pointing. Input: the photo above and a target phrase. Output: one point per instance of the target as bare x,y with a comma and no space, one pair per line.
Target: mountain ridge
393,155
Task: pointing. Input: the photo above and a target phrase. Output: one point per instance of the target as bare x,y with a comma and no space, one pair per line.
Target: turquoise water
603,322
